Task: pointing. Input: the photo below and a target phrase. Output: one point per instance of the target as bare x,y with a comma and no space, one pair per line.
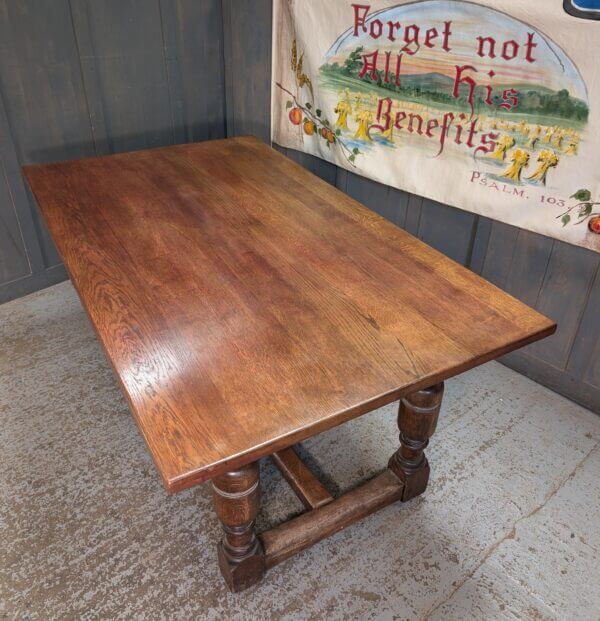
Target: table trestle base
300,533
244,555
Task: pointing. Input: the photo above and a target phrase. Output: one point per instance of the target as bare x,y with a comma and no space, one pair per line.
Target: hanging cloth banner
492,111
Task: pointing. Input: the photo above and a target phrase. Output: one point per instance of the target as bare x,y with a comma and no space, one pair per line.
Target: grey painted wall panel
323,169
530,257
14,263
326,171
17,202
41,84
128,56
41,87
247,32
372,194
499,253
341,179
89,77
386,201
480,243
399,200
563,297
413,214
193,40
447,229
584,361
560,380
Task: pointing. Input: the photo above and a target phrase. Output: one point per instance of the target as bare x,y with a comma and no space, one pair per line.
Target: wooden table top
246,304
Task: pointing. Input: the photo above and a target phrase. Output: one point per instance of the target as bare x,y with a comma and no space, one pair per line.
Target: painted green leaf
338,132
289,104
307,104
585,209
582,195
318,112
352,158
355,151
565,219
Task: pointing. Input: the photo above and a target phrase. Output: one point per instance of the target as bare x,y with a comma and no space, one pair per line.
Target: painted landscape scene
529,116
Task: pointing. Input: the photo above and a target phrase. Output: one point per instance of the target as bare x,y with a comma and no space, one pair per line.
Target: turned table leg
236,497
417,419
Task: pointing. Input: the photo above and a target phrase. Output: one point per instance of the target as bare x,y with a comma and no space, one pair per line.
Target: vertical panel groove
85,92
92,90
19,227
511,262
474,227
539,291
166,66
228,61
581,314
223,68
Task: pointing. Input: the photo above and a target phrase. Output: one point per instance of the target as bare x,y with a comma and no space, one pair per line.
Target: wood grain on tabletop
246,304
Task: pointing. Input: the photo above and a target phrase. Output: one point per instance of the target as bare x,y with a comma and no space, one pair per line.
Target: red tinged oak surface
246,304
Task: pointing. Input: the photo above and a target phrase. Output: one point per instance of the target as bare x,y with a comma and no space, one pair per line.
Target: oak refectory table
246,305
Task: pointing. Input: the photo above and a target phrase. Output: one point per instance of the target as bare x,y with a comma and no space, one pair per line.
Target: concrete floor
507,530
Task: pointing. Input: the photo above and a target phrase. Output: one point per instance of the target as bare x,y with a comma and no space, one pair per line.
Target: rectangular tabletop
246,304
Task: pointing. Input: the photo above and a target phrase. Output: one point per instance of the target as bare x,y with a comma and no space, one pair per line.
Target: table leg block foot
414,484
241,575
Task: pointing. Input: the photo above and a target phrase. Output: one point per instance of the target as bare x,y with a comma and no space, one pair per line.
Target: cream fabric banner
495,112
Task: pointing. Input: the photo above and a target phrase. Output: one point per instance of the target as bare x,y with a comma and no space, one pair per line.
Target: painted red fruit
296,116
594,224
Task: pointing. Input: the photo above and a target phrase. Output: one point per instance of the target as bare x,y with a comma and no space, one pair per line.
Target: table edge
206,473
